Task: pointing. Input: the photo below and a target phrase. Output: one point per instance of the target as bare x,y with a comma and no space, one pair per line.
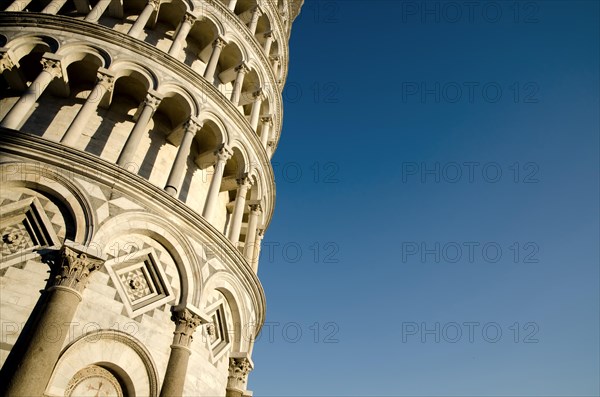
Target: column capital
268,35
6,62
52,66
244,181
186,323
188,17
242,68
76,266
258,95
153,100
268,120
105,78
223,154
257,11
192,125
255,208
240,366
154,3
219,42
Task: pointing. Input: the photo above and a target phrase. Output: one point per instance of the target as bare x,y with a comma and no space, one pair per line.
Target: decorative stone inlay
218,330
24,228
140,280
93,380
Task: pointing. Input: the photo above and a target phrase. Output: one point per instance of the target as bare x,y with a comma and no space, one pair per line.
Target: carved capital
267,120
189,18
257,12
5,62
105,80
258,95
268,35
223,154
152,100
255,209
154,3
186,323
244,182
243,69
219,43
192,126
75,268
52,66
239,368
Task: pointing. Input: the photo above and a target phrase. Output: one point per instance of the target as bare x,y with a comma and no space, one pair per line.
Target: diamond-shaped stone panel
140,281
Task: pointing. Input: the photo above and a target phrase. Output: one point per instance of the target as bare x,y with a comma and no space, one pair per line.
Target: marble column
211,67
186,323
249,245
18,5
53,7
258,98
238,210
270,148
232,4
240,366
268,42
139,129
177,170
184,29
265,133
104,84
275,62
210,205
257,244
238,84
96,13
254,21
35,367
143,18
15,117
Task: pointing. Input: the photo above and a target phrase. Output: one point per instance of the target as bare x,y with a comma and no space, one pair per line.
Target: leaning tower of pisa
136,138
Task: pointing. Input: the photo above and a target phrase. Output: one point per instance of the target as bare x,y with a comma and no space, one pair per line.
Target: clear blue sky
437,183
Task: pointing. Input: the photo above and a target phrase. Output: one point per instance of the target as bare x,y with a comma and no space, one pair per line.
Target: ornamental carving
75,269
239,368
186,323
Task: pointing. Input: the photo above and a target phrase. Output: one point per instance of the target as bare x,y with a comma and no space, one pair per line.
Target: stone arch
244,163
127,68
59,185
228,285
120,353
209,118
74,52
171,89
257,189
24,44
161,231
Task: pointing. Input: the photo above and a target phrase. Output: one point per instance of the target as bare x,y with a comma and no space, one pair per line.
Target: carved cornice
57,156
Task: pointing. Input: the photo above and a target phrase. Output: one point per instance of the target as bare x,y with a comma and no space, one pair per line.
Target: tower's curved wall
136,188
